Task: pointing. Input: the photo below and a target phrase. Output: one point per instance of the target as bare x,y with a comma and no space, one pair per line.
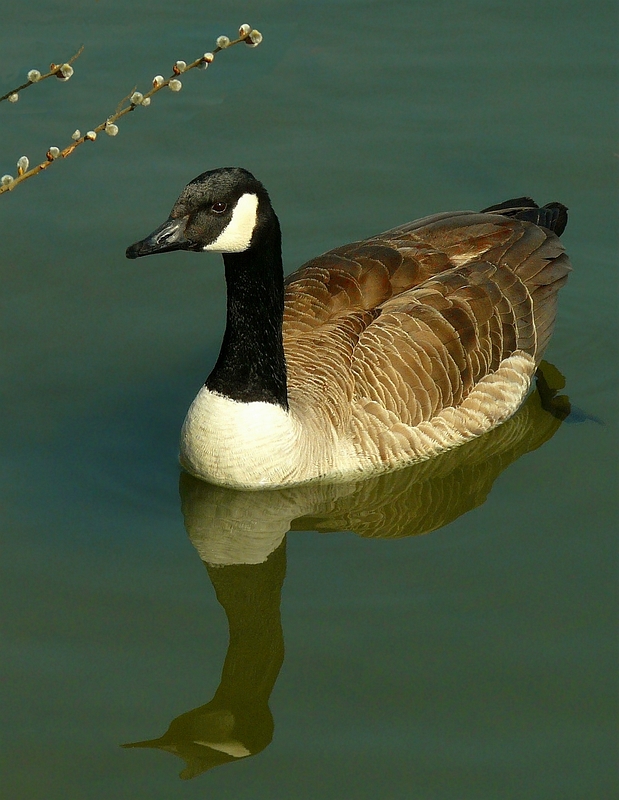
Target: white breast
239,444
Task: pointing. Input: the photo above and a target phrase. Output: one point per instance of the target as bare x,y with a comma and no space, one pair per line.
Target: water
477,661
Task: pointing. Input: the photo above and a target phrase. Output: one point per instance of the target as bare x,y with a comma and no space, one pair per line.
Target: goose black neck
251,365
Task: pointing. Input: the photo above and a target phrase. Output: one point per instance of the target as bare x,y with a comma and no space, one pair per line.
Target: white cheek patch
236,236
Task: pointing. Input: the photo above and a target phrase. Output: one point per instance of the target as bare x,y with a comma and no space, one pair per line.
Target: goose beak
169,236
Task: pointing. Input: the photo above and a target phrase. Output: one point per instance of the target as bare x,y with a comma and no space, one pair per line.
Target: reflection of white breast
239,444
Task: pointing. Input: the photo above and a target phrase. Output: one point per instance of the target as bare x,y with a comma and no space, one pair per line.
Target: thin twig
56,70
246,34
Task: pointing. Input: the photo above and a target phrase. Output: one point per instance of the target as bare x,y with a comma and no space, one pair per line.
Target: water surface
477,661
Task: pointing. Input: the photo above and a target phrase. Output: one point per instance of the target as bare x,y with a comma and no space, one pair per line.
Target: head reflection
237,722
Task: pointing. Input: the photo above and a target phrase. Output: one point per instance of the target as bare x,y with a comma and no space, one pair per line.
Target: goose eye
219,208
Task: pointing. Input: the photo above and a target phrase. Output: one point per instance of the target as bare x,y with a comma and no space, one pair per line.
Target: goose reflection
240,537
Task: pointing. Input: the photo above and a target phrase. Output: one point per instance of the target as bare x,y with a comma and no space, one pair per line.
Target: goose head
224,210
228,211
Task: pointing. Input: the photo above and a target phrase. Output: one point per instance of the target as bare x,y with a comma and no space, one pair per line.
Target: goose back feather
428,334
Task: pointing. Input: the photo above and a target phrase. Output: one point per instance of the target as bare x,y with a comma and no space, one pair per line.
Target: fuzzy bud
222,42
254,38
179,67
6,179
158,81
244,31
136,98
146,101
13,98
92,135
22,165
52,153
34,75
64,72
175,85
76,135
111,129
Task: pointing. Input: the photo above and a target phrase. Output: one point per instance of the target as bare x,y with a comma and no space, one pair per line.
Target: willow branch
61,71
127,105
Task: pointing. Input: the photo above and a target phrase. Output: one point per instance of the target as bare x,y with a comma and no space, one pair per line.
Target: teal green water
478,661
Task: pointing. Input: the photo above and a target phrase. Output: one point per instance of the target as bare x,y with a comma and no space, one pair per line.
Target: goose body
372,356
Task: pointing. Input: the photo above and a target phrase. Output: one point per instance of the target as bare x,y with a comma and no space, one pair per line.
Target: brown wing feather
407,323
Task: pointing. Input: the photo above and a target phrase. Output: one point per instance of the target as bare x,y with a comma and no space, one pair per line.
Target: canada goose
376,354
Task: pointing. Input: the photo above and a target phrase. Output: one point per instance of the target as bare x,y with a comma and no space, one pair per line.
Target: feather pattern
427,335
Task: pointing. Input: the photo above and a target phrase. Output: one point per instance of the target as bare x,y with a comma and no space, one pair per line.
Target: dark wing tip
515,204
552,216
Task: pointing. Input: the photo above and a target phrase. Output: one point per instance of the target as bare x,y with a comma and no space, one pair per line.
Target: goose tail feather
552,216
